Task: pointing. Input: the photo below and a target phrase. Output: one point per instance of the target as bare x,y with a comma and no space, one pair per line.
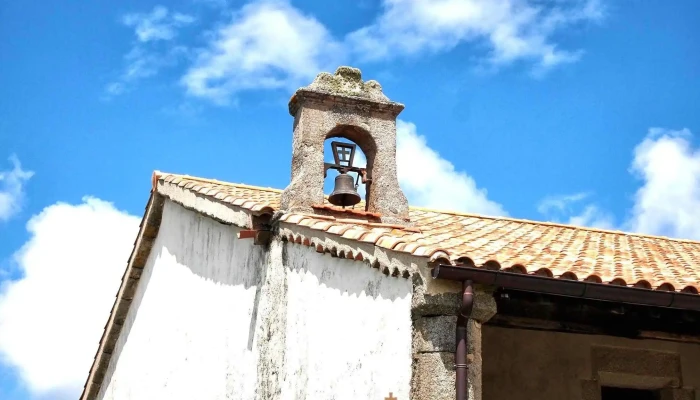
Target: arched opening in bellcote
363,157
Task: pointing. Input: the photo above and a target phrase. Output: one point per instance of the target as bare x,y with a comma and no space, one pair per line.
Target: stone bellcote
342,105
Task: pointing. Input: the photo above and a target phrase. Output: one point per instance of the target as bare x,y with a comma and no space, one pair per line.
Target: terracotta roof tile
538,247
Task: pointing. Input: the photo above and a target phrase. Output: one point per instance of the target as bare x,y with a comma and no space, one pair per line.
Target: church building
250,293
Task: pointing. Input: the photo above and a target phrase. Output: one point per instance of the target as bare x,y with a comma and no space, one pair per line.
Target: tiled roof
550,249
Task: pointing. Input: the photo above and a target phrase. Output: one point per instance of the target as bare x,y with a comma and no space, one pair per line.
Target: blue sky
573,111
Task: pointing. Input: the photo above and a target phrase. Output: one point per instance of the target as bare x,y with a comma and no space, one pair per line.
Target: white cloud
152,49
668,203
159,24
143,63
593,216
268,45
360,161
429,180
52,318
668,200
12,184
512,29
575,209
560,203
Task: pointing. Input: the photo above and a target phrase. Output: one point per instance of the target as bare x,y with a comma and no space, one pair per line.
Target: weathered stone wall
524,365
190,333
434,342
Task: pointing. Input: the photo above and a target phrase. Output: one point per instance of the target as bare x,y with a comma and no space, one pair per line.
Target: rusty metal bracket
362,172
260,237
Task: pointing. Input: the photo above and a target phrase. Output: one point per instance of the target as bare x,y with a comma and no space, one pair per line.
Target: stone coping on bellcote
345,87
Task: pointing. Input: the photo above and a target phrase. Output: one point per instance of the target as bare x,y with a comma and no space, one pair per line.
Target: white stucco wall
188,332
348,330
215,317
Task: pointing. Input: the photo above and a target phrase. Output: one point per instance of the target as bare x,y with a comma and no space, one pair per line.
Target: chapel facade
242,292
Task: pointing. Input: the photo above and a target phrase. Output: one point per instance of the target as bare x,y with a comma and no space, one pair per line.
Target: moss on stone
347,81
349,73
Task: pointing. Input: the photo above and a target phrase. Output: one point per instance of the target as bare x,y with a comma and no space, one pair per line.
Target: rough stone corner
434,323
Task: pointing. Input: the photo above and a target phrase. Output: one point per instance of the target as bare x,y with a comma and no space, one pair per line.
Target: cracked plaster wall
348,330
215,317
188,334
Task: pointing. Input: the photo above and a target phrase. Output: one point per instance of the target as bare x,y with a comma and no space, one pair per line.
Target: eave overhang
569,288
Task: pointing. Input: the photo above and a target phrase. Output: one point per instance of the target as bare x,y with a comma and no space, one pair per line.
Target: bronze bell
344,193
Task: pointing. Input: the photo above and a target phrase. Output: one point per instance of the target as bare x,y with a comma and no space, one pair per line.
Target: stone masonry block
425,304
434,346
434,334
433,377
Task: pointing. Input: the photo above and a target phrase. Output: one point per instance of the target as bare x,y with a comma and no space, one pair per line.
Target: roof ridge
159,174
